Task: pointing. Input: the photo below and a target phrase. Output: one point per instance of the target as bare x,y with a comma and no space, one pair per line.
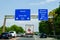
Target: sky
7,7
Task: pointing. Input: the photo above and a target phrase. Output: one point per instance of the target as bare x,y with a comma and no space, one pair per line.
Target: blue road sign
43,14
22,14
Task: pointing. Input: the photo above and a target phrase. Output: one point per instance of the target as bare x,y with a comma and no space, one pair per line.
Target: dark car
43,35
22,36
6,35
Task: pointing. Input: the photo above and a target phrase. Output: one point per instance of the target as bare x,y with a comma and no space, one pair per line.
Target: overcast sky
7,7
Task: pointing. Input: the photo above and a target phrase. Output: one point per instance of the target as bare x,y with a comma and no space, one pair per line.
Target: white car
13,33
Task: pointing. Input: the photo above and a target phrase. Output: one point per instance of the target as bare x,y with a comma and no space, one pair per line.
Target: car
43,35
13,33
20,35
5,35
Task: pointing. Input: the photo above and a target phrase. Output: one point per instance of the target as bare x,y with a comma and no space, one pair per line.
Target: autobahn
35,38
29,38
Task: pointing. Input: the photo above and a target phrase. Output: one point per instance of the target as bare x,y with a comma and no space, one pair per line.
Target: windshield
11,32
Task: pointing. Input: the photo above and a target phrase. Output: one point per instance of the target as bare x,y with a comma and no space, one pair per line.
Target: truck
29,28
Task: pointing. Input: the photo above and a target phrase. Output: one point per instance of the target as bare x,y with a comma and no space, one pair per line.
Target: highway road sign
43,14
22,14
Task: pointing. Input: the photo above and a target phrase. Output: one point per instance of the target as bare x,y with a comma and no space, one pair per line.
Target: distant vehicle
29,30
5,35
21,35
43,35
37,34
13,33
28,35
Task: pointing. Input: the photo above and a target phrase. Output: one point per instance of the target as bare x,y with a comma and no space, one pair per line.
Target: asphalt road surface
34,38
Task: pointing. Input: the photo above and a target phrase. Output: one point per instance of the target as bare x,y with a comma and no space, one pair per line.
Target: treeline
16,28
53,24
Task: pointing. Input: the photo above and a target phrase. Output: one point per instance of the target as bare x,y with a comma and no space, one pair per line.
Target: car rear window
11,32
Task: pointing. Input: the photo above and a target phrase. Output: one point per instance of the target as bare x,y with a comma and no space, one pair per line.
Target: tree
57,11
21,29
0,30
16,28
43,27
7,29
56,15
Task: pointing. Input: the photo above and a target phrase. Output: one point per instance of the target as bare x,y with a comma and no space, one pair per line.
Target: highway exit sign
43,14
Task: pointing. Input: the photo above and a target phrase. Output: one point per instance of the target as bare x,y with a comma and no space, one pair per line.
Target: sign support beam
12,17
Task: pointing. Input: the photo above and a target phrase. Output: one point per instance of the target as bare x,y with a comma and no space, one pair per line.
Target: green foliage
57,11
0,30
57,25
16,28
44,27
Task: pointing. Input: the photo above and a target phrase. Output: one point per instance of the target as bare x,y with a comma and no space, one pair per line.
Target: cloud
42,2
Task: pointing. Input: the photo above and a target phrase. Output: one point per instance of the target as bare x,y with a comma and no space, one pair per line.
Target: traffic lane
29,38
10,39
20,38
13,39
36,38
25,38
48,38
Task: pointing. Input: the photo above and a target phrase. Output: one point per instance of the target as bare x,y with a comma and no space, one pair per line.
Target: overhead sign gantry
24,15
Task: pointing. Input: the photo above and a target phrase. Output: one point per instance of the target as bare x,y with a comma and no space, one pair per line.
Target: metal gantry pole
5,18
4,24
